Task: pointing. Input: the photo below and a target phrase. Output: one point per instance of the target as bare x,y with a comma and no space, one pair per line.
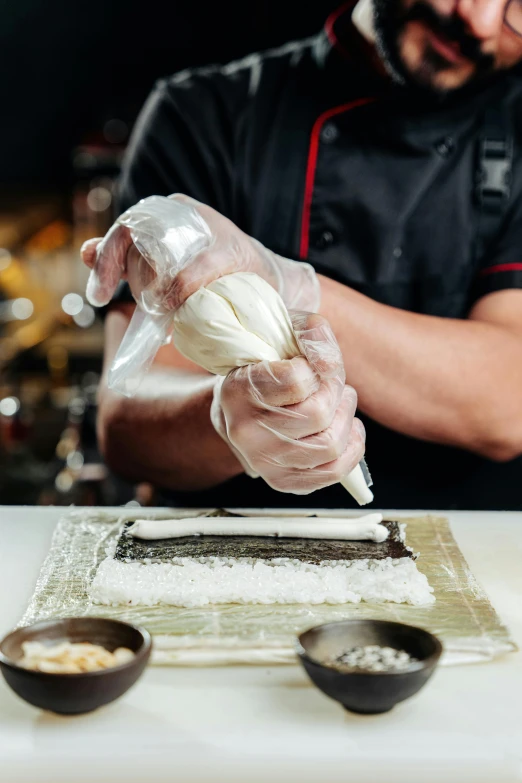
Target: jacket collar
341,50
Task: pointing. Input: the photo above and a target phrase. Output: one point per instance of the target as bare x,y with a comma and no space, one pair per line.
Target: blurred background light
72,304
99,199
85,317
75,460
115,131
64,481
22,308
5,258
9,406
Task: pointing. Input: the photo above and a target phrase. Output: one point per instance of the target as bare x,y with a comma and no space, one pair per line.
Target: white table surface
254,724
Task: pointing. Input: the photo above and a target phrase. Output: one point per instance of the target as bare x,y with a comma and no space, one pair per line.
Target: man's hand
168,248
292,422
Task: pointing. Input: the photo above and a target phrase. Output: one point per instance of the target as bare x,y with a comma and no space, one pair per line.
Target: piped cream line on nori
311,550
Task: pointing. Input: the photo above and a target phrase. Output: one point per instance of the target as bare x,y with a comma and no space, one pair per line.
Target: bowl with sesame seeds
369,666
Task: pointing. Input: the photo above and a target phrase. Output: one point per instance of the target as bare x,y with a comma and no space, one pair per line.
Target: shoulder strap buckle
494,173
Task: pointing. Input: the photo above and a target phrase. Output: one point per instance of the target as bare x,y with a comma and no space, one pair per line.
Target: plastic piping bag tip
355,484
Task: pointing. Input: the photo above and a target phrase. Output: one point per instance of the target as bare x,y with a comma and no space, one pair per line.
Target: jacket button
324,240
445,147
329,133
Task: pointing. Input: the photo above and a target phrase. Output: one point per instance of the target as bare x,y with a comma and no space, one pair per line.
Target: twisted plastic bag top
168,239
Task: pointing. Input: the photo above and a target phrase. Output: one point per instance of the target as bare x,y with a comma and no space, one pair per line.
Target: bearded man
383,159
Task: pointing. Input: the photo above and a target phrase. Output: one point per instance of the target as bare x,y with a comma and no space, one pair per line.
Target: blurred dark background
70,67
73,78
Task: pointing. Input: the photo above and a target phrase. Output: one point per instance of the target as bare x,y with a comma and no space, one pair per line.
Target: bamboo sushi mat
462,616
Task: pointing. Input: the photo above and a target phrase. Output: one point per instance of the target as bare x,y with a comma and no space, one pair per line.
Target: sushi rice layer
193,582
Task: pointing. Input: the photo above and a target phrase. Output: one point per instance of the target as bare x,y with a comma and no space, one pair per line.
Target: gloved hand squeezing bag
281,402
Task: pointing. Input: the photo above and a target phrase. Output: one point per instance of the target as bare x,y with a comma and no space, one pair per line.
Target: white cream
367,528
356,485
236,320
240,319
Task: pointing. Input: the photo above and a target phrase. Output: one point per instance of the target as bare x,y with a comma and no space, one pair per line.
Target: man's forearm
164,435
442,380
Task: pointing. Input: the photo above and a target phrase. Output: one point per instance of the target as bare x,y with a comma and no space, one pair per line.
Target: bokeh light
72,304
99,199
9,406
85,317
22,308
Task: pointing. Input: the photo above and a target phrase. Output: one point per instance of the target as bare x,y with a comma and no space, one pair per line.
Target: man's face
443,45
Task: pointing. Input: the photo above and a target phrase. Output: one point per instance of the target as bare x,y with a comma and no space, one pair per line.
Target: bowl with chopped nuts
369,666
74,665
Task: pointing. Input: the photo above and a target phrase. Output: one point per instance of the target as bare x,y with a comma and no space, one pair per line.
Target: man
386,154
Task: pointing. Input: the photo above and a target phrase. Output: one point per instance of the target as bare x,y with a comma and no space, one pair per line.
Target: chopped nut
71,658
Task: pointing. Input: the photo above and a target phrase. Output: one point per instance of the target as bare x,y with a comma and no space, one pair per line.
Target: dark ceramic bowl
368,693
72,694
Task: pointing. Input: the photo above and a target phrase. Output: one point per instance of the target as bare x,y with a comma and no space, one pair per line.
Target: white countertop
254,724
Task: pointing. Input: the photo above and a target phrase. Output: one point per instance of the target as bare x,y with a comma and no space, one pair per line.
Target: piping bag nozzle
358,484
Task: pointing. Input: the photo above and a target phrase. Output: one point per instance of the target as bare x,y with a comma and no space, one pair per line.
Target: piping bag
236,320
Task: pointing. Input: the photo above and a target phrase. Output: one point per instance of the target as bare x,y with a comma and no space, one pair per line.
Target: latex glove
192,245
292,421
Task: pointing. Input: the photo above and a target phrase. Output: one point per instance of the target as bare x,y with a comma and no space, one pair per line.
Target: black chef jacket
310,150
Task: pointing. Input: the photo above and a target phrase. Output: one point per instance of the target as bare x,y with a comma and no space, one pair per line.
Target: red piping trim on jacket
330,26
515,267
312,165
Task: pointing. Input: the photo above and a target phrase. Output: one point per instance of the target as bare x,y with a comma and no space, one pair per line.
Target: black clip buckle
494,180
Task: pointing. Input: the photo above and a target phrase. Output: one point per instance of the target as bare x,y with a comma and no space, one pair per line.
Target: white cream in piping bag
367,528
240,319
236,320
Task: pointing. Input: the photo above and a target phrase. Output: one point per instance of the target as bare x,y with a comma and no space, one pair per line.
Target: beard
390,21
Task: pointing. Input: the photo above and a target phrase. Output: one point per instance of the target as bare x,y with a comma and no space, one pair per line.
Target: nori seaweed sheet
307,550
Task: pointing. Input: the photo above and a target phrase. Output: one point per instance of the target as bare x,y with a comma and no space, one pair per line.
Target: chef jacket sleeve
501,266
